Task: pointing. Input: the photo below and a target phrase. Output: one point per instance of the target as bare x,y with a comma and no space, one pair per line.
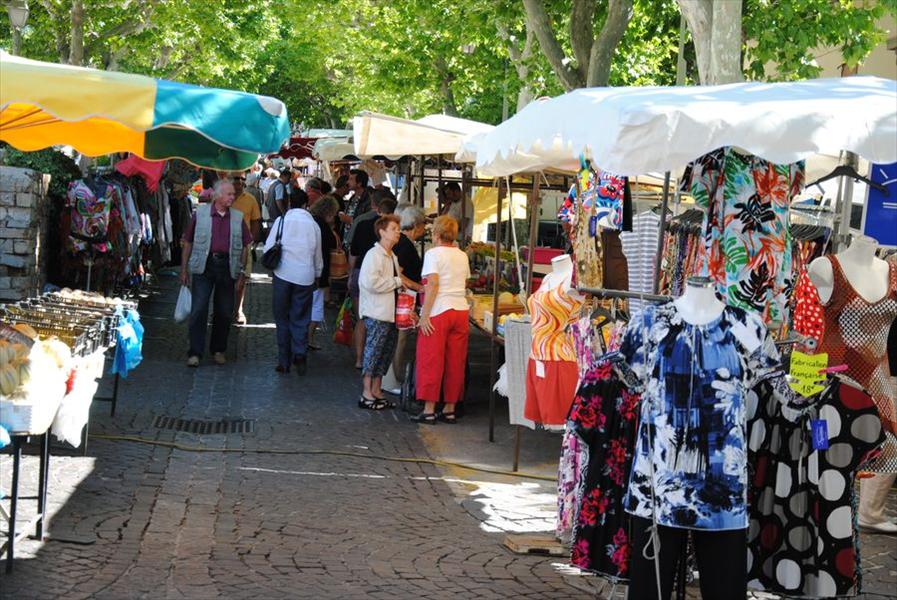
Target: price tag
804,372
540,369
819,428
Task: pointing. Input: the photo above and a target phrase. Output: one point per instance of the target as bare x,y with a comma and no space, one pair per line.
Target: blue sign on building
880,216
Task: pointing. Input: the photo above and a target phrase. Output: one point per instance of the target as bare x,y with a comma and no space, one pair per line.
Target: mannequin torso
699,304
867,274
561,276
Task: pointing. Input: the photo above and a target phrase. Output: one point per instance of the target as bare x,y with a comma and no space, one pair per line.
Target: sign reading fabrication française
804,372
880,216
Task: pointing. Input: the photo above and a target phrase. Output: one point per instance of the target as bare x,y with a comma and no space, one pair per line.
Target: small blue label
593,225
820,434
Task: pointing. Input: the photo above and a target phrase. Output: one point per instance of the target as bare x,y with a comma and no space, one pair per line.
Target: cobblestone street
252,522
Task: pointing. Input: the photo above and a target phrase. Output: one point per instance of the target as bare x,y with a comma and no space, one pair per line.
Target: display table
13,533
52,353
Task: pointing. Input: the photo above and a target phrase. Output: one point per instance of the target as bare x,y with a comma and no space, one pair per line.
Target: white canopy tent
331,149
631,131
383,135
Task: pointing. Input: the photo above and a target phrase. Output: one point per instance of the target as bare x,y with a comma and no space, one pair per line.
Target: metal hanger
848,171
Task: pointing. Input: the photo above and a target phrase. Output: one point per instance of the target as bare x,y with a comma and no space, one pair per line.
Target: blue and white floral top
691,439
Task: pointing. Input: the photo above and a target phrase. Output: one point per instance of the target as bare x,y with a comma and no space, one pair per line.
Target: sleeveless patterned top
552,311
856,334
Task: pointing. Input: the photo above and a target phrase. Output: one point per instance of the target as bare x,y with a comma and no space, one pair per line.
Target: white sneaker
395,391
886,527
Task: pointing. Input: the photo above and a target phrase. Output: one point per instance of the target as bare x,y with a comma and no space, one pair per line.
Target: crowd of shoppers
310,226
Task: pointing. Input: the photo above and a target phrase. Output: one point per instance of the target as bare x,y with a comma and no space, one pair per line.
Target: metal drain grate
197,426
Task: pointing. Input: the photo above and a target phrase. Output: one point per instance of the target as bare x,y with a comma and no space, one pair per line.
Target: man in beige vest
215,250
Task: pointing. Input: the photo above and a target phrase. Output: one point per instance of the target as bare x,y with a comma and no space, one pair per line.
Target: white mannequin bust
699,305
561,275
867,274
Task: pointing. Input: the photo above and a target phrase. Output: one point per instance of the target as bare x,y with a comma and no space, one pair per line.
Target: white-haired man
215,249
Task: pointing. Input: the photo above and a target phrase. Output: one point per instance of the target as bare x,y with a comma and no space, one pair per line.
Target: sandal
389,403
425,418
375,404
449,418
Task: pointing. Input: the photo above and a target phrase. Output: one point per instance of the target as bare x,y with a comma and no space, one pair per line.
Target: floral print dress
690,466
746,237
603,417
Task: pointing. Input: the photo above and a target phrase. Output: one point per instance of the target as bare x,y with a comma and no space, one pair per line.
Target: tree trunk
76,51
445,87
619,12
582,34
537,20
699,16
725,45
716,31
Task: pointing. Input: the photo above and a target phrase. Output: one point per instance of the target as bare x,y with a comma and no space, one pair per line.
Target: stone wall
23,232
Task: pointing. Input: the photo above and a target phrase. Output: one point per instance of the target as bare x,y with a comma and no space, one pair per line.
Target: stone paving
254,523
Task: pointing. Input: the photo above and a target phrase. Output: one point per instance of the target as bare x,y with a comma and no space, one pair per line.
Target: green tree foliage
782,35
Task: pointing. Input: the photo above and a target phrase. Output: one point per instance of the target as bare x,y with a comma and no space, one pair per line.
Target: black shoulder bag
271,257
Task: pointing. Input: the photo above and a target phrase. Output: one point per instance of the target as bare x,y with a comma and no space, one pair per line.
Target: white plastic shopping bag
182,308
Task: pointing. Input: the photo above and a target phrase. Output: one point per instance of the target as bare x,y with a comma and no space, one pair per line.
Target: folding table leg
14,500
42,485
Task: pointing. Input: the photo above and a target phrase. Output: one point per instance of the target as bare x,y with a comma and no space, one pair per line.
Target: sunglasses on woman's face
239,179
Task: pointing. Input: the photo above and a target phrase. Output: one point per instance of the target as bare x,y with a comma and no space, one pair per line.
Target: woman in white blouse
378,281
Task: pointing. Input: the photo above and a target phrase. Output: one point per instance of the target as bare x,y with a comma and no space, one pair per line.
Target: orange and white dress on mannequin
552,374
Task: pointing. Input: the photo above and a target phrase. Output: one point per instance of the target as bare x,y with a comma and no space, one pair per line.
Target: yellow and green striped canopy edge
101,112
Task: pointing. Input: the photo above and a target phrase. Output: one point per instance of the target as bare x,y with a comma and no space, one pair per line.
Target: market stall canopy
637,130
100,112
382,135
328,133
298,147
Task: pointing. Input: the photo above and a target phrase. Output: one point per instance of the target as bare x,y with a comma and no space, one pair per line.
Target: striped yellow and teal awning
100,112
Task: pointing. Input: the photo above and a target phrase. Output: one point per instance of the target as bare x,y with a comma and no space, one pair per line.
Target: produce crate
31,416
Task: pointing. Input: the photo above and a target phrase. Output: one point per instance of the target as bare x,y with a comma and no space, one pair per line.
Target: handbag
271,257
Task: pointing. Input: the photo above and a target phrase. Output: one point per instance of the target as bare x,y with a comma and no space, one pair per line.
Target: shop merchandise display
690,465
602,427
640,249
802,540
115,223
857,311
682,252
552,371
747,241
51,352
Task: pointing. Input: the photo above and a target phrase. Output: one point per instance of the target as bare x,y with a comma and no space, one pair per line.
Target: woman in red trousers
442,343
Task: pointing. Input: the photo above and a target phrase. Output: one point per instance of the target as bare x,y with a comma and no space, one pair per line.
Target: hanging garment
802,540
518,345
856,334
604,416
90,206
640,248
747,242
690,464
552,372
574,458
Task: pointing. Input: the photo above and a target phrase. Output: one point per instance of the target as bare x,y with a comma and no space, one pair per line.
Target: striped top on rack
640,248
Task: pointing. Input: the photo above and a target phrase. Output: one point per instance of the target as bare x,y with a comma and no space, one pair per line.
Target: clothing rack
623,295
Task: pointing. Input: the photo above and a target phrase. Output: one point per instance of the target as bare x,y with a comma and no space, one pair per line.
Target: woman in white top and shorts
444,328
